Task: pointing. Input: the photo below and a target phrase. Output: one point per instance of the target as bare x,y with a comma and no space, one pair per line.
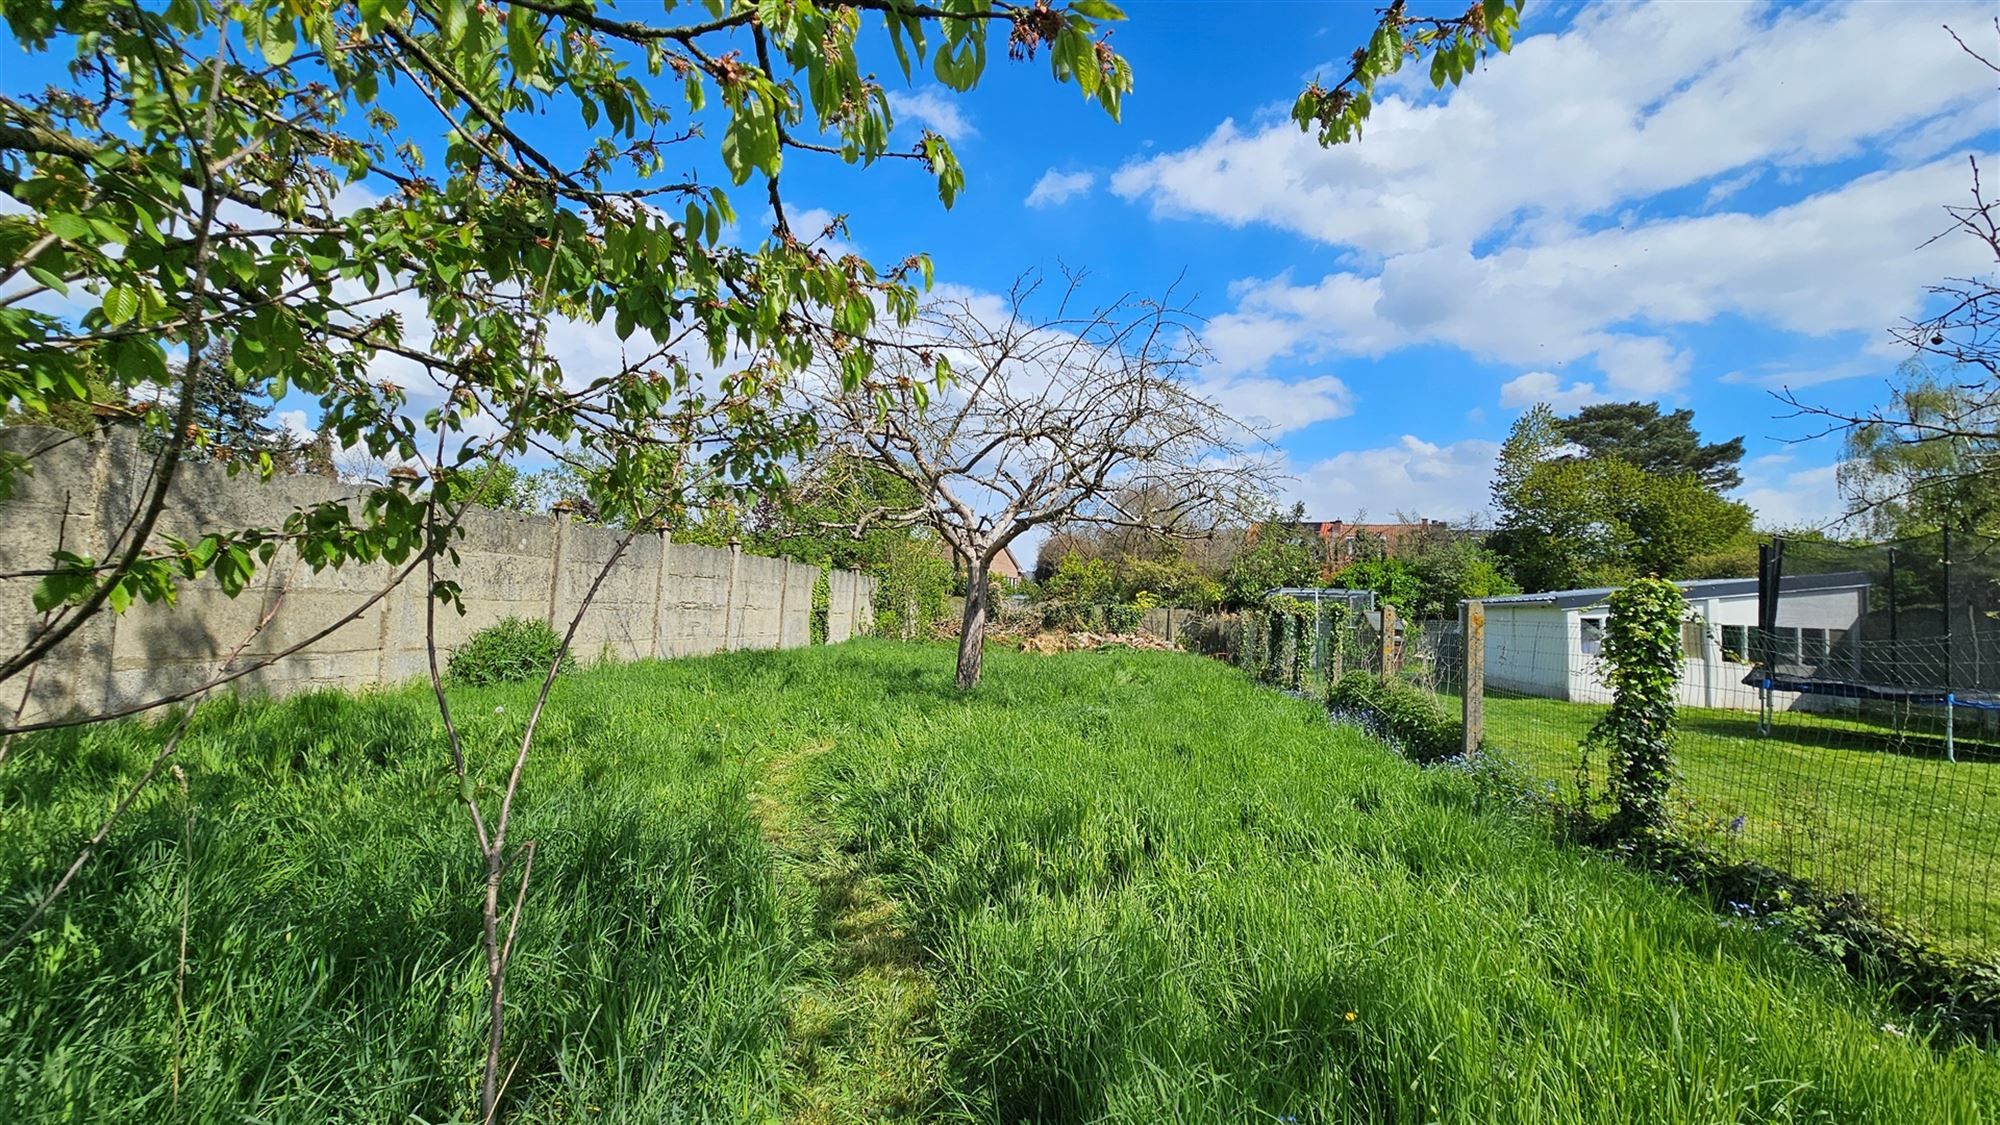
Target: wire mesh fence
1895,799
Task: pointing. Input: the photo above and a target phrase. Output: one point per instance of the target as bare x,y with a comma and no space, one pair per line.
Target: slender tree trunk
972,630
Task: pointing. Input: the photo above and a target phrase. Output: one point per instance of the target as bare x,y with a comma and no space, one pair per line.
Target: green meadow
823,886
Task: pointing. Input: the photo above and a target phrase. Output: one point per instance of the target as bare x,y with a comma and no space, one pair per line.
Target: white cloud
1846,260
1629,101
1413,475
1275,407
1503,219
935,109
1791,498
1059,187
294,422
1532,387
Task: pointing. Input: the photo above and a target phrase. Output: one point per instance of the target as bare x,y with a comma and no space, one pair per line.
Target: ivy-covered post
1274,646
822,606
1472,684
1642,656
1301,651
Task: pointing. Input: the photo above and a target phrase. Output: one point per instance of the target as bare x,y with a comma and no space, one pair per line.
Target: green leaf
135,360
61,588
67,226
1102,9
521,49
120,305
280,40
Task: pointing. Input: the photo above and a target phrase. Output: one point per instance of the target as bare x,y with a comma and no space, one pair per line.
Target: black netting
1914,618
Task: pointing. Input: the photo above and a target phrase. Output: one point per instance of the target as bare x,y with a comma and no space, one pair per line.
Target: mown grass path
860,1045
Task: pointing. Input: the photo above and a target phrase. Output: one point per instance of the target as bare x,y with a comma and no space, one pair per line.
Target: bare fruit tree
1091,416
1930,458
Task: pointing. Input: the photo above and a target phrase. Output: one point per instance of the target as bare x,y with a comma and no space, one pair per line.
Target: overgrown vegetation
291,934
818,624
1104,887
512,650
1411,720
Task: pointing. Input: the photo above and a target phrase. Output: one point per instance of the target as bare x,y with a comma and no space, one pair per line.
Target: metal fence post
1472,694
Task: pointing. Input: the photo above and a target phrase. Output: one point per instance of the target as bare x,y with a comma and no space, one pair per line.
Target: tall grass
1154,893
1139,889
330,888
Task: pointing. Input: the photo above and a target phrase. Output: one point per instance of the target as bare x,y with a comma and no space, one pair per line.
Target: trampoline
1914,622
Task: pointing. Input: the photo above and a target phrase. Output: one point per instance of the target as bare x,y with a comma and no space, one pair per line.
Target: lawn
823,886
1853,805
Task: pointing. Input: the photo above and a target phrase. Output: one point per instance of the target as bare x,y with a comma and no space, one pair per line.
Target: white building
1547,644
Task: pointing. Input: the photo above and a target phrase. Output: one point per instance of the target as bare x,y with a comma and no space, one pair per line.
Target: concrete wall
661,599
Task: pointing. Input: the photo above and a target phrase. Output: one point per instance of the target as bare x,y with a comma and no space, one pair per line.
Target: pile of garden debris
1054,642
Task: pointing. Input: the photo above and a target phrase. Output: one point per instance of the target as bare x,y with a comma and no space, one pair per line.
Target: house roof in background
1695,588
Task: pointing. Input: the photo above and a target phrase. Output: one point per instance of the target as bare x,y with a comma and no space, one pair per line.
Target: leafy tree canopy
1602,521
1930,461
1428,581
1666,444
1280,552
825,516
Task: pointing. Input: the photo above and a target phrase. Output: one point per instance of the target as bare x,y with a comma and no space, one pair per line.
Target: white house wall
1528,650
1708,679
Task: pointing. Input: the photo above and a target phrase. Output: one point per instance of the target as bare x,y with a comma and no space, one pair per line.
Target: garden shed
1547,644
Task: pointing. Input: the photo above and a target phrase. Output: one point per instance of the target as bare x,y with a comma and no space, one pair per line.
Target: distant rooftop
1694,588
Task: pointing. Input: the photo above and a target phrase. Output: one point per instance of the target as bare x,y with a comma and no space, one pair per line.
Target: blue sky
1689,203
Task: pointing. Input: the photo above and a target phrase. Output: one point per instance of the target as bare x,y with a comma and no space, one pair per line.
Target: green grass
1853,805
823,886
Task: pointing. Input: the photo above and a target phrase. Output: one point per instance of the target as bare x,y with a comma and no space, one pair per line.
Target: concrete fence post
784,599
1472,694
556,564
660,594
730,610
1388,642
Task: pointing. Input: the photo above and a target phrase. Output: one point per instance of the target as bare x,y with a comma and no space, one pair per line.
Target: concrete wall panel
659,598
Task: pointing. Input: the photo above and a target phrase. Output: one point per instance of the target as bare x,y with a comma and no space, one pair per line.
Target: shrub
511,650
912,591
1123,618
1063,615
822,608
1399,713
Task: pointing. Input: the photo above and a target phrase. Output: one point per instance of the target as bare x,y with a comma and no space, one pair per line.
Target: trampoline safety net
1916,620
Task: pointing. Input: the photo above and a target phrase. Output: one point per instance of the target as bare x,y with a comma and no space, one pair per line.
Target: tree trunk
972,630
